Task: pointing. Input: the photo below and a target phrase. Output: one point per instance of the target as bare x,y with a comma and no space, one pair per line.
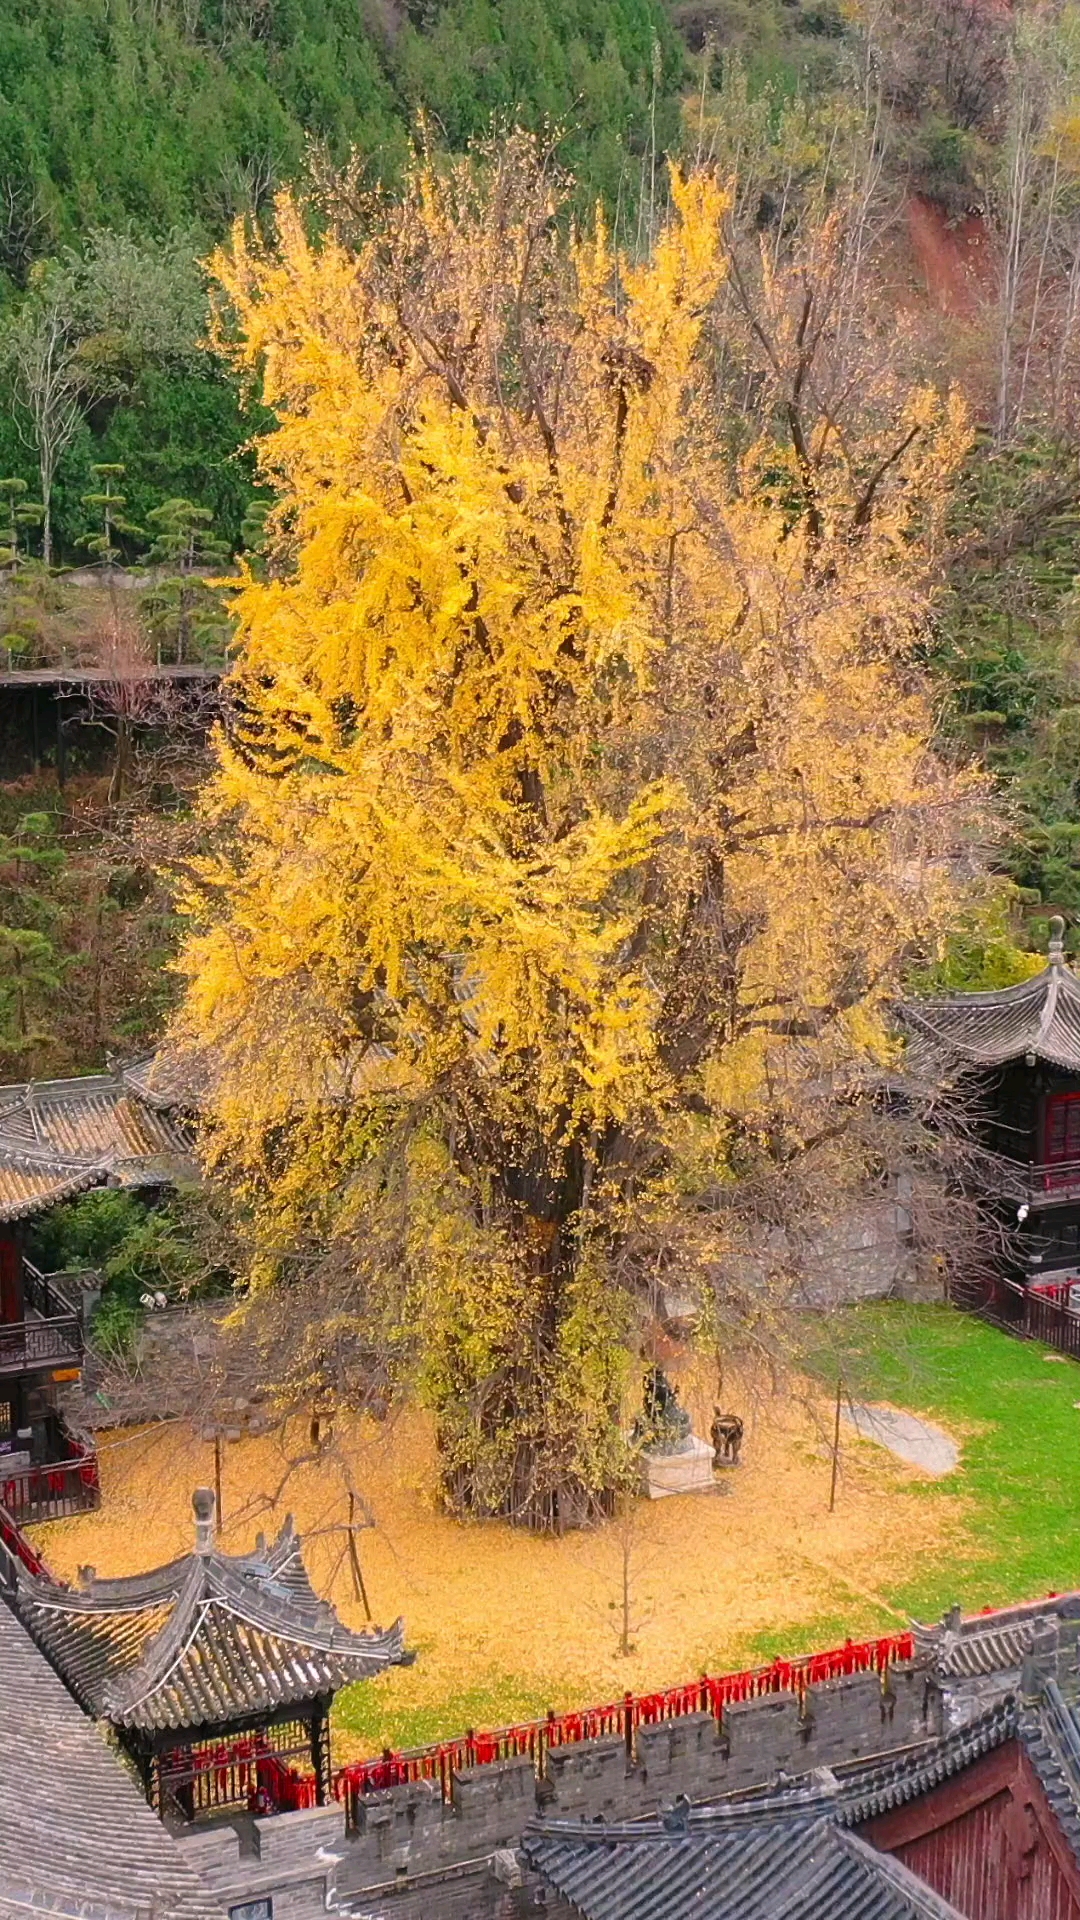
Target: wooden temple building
216,1673
1017,1052
59,1138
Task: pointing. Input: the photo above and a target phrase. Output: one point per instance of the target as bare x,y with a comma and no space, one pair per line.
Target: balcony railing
55,1488
16,1550
51,1335
25,1344
1045,1184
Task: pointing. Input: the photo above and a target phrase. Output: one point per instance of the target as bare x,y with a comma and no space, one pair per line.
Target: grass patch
1013,1404
375,1717
821,1631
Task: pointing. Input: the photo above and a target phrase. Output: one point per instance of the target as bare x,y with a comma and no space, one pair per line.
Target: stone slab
917,1441
687,1472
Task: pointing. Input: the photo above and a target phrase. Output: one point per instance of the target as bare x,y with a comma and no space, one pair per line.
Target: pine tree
21,516
183,610
108,503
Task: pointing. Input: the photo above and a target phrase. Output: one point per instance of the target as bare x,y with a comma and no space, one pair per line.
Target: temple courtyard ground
506,1625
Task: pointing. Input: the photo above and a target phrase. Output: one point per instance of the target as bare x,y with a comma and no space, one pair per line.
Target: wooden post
217,1480
319,1732
836,1444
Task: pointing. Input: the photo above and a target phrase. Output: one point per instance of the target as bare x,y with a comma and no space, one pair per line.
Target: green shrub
114,1328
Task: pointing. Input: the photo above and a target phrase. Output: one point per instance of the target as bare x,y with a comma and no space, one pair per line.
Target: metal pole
217,1479
359,1588
835,1444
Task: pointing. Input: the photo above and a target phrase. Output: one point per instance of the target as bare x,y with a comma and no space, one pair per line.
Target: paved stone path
917,1441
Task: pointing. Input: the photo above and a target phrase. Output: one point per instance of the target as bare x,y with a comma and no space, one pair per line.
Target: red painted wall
988,1841
10,1279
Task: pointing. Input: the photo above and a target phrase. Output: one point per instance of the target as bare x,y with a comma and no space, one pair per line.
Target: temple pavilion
216,1673
1018,1051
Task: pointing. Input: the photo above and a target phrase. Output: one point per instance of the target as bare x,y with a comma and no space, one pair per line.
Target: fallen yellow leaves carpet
506,1624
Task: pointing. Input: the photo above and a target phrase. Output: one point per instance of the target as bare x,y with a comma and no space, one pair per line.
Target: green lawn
367,1710
1015,1408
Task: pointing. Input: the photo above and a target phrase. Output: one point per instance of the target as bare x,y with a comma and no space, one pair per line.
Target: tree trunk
122,762
508,1438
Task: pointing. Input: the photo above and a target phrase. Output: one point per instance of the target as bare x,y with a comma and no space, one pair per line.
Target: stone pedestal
690,1471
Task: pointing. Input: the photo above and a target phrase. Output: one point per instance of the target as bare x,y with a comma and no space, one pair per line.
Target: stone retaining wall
415,1857
307,1861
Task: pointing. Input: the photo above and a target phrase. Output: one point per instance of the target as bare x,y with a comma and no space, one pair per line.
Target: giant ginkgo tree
574,808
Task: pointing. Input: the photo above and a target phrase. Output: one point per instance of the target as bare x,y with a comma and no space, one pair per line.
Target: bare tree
950,54
131,694
23,226
49,382
1035,210
247,186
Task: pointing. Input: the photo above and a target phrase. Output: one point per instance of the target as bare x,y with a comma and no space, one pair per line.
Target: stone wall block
669,1743
762,1737
1068,1657
588,1778
406,1821
492,1804
846,1719
677,1756
292,1839
680,1756
1046,1648
215,1855
911,1707
303,1900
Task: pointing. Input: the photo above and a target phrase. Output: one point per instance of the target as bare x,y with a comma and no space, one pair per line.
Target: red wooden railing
1043,1312
244,1771
17,1544
54,1489
534,1738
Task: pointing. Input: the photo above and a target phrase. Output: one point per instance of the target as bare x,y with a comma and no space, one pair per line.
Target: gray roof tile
774,1854
77,1838
211,1637
1040,1016
60,1137
775,1869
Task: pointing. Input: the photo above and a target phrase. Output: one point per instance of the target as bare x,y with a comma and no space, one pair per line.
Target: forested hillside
912,173
162,122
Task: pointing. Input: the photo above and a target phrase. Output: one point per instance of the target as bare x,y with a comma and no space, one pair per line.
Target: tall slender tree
50,387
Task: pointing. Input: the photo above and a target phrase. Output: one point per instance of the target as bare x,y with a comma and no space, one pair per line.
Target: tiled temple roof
1050,1730
969,1655
882,1786
993,1645
210,1638
60,1137
798,1867
77,1839
789,1853
1041,1016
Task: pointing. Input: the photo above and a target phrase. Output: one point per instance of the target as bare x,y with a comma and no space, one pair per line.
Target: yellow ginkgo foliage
574,808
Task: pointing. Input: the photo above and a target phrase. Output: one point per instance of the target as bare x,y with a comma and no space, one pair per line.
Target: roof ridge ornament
1056,949
204,1506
